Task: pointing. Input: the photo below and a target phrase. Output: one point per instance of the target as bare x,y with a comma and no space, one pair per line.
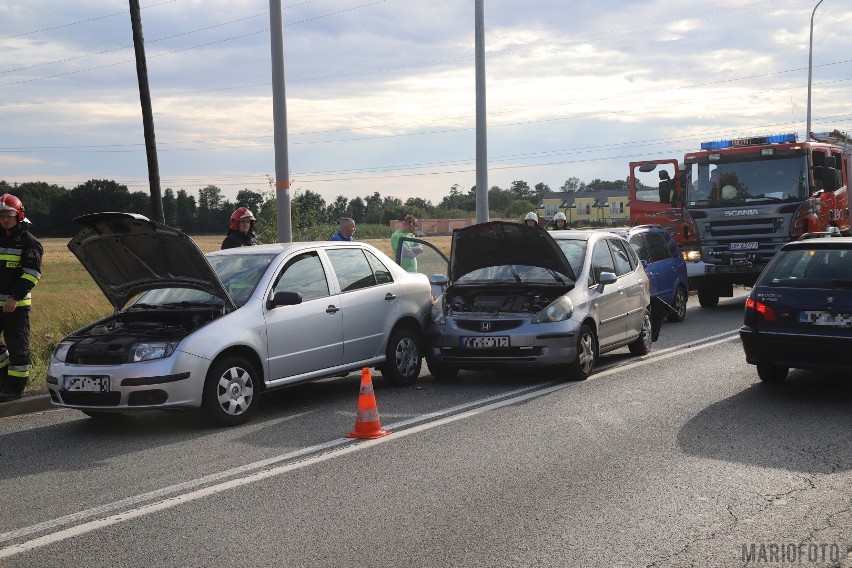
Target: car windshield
575,252
239,275
513,274
809,268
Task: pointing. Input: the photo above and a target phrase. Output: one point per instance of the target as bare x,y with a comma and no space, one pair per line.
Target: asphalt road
680,458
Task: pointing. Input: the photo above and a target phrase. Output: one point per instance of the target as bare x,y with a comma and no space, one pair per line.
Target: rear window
804,268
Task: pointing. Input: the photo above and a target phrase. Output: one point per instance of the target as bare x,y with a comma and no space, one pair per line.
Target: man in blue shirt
347,229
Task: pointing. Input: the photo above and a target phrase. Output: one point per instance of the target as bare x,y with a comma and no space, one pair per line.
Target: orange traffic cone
367,425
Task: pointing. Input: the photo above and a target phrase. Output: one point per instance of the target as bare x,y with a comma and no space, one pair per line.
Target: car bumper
545,345
171,383
798,350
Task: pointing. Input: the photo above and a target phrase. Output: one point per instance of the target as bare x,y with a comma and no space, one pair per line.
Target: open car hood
501,242
127,254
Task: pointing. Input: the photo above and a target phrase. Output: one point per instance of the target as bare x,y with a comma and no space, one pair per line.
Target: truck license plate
742,246
485,342
86,383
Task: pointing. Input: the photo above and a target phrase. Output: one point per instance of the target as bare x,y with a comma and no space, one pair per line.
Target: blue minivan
664,263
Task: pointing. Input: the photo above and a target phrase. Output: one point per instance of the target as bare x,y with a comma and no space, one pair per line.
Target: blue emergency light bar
753,141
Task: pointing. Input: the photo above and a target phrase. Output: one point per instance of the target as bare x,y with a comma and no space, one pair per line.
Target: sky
380,94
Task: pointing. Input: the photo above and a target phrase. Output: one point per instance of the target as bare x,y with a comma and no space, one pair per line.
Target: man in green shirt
408,259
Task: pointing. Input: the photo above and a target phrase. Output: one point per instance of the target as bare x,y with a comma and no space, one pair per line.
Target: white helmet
531,216
559,217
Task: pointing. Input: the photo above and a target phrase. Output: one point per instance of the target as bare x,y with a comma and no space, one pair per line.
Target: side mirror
829,179
607,278
284,299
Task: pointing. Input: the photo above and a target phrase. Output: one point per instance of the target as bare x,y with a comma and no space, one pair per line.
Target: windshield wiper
840,283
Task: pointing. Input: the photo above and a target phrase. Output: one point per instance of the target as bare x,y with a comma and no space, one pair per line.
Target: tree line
52,208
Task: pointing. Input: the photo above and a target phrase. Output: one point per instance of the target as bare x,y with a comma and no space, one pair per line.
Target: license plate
485,342
86,383
830,319
742,246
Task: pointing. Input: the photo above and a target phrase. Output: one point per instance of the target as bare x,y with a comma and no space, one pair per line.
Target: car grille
495,325
91,398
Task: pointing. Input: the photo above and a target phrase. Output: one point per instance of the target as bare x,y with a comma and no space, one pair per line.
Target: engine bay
109,340
488,300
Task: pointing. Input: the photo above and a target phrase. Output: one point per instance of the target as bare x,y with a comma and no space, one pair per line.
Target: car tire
403,360
679,304
708,295
770,373
587,348
642,344
230,392
441,371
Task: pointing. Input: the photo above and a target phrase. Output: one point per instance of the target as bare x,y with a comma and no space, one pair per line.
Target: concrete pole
147,113
810,71
481,130
279,119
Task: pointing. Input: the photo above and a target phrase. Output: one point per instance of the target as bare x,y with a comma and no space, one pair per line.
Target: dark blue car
799,312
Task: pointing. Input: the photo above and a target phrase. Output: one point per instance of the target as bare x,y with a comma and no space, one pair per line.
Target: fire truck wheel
708,295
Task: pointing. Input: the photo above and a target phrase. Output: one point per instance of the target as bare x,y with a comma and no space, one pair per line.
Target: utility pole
147,114
810,71
481,129
279,119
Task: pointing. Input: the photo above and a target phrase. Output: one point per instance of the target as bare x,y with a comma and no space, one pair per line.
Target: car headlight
60,352
691,255
560,309
438,315
151,350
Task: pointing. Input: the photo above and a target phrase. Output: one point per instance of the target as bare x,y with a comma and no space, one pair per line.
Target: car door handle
390,297
332,309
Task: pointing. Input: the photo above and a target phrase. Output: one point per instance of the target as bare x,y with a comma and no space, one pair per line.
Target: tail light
760,308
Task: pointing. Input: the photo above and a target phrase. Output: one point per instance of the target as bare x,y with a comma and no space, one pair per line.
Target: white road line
332,449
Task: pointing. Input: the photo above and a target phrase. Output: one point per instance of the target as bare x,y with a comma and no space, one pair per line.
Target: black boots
13,388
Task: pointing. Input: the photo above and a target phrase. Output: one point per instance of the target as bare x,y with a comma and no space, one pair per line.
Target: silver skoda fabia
213,331
523,296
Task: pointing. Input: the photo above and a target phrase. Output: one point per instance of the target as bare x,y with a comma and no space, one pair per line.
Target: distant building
607,207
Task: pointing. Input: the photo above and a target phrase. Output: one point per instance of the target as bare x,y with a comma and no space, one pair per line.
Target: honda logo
485,326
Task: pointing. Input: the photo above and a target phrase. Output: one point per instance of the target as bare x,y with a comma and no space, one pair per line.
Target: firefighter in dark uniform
20,270
241,230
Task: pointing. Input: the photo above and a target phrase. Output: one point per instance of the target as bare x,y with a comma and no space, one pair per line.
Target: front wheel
581,367
441,371
770,373
642,344
403,361
230,392
679,306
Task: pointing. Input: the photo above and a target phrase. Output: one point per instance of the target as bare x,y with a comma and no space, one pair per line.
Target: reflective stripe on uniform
30,277
19,371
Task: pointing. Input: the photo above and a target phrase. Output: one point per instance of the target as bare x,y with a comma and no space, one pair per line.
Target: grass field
67,298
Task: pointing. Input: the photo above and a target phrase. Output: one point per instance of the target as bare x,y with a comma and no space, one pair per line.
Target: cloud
380,94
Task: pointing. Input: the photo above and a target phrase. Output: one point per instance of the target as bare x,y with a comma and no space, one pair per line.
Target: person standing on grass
20,271
347,230
241,230
408,258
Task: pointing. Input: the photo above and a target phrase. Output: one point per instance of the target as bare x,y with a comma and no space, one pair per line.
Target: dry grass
67,298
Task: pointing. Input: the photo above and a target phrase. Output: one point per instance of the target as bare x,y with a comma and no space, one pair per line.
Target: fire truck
734,203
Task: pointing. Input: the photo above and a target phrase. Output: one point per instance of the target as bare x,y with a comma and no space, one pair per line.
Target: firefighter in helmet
560,223
531,219
20,270
241,230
